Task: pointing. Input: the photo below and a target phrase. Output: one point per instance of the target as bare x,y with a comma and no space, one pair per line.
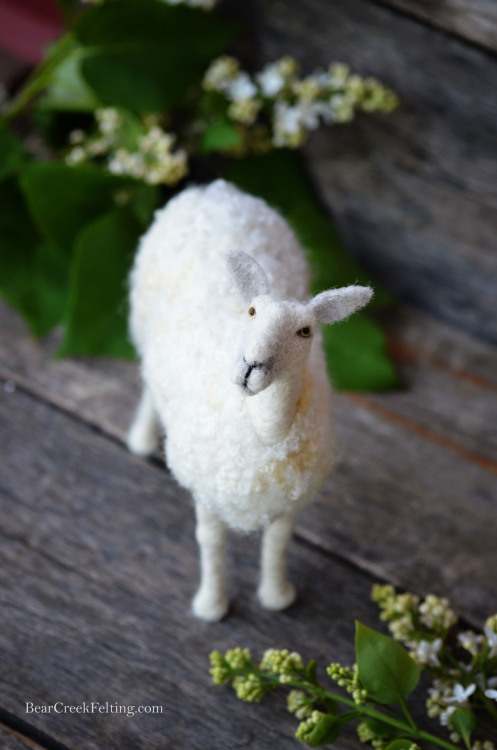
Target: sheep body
185,323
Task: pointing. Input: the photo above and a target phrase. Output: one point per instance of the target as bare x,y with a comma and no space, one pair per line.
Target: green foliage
12,153
220,135
97,313
63,199
381,729
463,722
145,55
68,89
399,745
356,348
385,668
34,273
146,60
328,729
380,683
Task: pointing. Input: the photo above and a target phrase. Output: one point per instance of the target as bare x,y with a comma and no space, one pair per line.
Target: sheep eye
251,311
305,332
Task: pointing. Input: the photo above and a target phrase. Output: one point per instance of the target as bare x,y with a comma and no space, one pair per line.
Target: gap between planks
18,734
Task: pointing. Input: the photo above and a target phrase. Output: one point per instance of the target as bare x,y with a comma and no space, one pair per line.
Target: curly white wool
244,398
184,300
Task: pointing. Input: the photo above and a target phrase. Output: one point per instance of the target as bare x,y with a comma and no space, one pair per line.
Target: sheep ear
248,275
337,304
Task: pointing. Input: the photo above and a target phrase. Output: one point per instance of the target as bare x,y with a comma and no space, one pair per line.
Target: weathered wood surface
413,494
99,561
475,20
12,741
413,193
98,564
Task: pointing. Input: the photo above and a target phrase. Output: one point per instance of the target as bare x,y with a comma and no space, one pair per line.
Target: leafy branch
135,97
381,681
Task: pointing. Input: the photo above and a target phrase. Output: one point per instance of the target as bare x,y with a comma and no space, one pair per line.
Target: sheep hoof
208,608
141,442
277,597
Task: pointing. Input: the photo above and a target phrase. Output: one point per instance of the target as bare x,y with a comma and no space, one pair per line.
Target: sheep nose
254,365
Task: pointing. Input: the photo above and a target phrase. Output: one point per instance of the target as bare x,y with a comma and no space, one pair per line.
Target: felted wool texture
187,322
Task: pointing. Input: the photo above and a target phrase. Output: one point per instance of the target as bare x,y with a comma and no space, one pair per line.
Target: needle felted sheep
234,372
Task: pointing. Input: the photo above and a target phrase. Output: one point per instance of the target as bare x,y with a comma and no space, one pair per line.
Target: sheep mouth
262,367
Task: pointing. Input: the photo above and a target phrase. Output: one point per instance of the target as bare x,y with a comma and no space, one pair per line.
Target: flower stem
407,728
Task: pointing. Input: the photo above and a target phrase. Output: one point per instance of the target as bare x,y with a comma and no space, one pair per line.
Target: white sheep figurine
234,372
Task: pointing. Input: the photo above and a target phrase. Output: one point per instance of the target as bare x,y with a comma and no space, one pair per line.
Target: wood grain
475,21
412,497
409,511
13,741
413,193
98,564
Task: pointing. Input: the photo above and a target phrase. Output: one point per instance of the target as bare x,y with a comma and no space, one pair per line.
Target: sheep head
278,334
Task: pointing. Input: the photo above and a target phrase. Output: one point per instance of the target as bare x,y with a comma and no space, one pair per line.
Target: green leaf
328,728
50,286
34,272
97,316
463,722
356,355
144,56
220,135
64,199
68,89
12,153
385,668
380,728
143,201
356,350
399,745
310,672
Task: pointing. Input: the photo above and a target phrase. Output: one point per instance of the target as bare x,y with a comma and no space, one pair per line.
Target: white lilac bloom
470,641
109,119
445,716
241,88
490,631
76,156
426,652
271,81
338,74
310,112
220,73
435,612
244,110
287,125
460,694
492,694
275,76
341,107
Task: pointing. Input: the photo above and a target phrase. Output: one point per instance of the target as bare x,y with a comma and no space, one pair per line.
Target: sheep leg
143,435
275,591
210,602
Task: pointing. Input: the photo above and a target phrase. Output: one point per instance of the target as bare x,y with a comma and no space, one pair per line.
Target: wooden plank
102,391
475,21
409,510
450,380
413,193
450,384
98,564
10,740
411,495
